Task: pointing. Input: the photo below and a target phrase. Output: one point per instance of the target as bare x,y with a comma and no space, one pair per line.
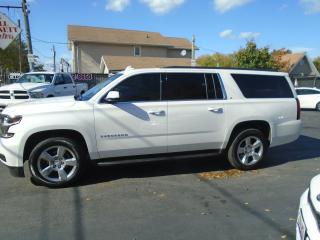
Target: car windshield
93,91
35,78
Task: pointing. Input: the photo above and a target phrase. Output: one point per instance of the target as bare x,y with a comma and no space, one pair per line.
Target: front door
137,123
64,85
196,114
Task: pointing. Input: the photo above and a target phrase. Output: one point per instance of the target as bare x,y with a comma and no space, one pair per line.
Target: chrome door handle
157,113
216,110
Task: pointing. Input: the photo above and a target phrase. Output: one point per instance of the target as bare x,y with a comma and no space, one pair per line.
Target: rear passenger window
214,87
185,86
263,86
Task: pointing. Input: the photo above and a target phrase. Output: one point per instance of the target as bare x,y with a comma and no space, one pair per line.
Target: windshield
35,78
93,91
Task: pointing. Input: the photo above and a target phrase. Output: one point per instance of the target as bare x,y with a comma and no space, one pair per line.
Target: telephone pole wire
28,33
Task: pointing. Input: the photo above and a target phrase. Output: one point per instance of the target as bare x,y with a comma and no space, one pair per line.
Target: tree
216,60
279,62
39,67
254,57
317,63
9,58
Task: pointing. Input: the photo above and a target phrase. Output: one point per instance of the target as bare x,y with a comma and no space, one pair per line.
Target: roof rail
225,68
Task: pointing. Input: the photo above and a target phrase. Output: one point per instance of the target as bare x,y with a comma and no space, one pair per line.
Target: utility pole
27,28
54,58
193,60
19,48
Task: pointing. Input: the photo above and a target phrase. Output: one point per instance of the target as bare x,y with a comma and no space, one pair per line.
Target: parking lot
190,199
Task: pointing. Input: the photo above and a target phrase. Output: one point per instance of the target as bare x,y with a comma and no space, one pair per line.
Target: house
301,69
104,50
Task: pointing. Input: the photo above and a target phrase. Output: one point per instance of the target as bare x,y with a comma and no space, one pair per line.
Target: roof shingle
119,36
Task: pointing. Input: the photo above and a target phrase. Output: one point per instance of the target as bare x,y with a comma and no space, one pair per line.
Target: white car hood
24,86
315,192
45,105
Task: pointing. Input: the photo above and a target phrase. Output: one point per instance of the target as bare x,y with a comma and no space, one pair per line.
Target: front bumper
308,219
11,159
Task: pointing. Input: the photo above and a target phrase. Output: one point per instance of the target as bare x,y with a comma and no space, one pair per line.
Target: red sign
8,31
82,76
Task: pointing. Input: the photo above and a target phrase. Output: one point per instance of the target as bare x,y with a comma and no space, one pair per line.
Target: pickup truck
40,85
152,114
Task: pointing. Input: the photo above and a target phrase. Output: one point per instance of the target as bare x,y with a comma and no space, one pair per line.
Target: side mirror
112,96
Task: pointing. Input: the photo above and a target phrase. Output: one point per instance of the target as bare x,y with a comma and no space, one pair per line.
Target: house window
137,51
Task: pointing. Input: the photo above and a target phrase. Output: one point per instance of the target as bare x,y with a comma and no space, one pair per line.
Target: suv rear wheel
248,149
56,162
318,106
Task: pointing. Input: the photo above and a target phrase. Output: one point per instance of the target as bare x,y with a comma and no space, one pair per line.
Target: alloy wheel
57,164
250,151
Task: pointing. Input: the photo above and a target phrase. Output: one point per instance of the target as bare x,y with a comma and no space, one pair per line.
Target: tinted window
67,79
307,92
299,91
185,86
59,79
261,86
35,78
214,87
145,87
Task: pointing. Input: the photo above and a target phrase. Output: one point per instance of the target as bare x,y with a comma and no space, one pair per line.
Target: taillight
298,109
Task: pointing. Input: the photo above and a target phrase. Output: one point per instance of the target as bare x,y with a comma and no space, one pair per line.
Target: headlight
36,94
314,211
6,122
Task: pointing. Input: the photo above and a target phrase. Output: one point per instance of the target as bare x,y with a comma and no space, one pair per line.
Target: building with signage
108,50
8,31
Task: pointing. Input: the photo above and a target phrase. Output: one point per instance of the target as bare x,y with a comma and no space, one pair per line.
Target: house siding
87,56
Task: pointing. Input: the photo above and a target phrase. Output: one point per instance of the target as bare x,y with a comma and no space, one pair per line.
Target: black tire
239,143
318,107
71,153
50,96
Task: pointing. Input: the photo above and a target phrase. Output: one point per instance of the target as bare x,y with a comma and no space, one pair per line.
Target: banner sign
14,76
82,76
8,31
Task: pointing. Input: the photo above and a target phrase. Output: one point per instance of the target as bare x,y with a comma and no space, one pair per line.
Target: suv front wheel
56,162
248,149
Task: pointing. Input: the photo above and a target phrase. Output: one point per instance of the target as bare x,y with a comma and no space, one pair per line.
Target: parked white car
147,114
308,221
40,85
309,98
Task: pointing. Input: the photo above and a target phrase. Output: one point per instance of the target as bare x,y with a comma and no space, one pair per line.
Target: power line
48,42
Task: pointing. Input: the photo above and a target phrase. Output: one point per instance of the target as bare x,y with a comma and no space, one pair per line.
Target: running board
155,158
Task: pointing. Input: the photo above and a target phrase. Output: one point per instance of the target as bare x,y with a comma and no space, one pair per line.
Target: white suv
145,114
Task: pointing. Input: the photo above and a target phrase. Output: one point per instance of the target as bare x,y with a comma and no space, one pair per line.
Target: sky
219,25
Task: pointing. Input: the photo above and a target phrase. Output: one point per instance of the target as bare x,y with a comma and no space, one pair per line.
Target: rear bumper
286,132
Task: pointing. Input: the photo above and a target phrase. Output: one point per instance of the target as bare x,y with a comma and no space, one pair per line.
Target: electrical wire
48,42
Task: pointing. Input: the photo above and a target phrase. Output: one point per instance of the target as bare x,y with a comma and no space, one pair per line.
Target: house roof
120,36
114,63
292,59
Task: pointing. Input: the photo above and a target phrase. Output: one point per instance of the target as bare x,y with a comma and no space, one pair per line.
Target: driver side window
144,87
59,80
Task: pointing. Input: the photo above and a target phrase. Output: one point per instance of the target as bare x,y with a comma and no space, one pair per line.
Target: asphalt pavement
186,199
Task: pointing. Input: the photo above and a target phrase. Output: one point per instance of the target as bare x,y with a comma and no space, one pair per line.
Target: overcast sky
219,25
